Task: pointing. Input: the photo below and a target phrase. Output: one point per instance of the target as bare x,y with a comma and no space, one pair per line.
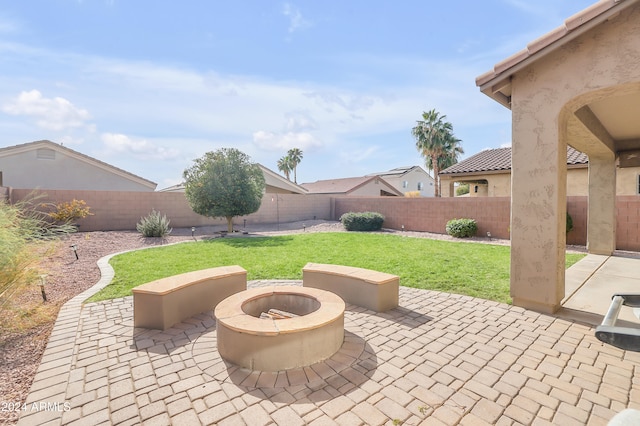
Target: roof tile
498,159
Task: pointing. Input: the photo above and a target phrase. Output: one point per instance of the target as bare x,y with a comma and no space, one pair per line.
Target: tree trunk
436,171
229,223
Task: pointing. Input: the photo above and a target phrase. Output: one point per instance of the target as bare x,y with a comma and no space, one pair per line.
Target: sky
150,85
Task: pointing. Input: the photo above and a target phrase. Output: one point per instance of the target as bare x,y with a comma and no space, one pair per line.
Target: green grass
478,270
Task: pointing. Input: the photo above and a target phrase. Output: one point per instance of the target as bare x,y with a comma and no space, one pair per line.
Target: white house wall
412,178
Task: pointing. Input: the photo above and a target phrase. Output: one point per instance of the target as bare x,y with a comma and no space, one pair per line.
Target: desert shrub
70,211
367,221
22,225
462,189
569,222
154,225
462,228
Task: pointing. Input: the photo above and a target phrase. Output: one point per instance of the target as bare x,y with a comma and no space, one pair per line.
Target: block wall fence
120,210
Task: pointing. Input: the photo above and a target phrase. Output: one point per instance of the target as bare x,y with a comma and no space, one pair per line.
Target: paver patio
438,359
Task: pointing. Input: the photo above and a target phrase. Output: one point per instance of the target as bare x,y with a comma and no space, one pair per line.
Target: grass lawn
478,270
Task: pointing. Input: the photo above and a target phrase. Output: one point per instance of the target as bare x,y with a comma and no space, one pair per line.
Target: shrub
412,194
569,222
154,225
462,189
22,226
367,221
462,228
70,211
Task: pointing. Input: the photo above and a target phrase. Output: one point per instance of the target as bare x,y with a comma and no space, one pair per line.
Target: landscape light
489,235
304,227
42,283
74,247
402,228
193,230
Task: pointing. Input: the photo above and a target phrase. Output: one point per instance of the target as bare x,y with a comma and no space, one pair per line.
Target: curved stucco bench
377,291
162,303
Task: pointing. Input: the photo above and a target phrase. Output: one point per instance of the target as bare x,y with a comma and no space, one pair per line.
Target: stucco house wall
47,165
499,184
415,179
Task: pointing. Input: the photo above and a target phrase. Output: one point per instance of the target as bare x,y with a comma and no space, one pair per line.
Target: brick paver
438,359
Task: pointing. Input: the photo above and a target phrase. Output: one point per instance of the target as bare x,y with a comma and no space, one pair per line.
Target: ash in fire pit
276,314
280,306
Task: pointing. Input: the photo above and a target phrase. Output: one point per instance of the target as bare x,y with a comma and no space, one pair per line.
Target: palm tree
452,149
436,143
285,166
295,155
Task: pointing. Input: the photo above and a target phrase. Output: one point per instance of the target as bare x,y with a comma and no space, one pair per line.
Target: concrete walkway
438,359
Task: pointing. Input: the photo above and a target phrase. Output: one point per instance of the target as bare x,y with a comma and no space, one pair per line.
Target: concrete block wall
628,222
115,210
432,214
121,210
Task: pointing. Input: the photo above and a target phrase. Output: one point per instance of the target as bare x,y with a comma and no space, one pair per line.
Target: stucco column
446,186
601,219
538,208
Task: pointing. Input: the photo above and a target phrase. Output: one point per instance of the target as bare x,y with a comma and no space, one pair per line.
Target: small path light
304,227
402,228
245,223
74,247
42,283
489,235
193,231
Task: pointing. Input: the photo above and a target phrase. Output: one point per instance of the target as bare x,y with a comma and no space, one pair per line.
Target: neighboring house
48,165
275,184
409,179
365,186
488,173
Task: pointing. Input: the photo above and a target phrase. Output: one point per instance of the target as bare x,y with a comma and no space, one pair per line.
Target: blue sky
149,86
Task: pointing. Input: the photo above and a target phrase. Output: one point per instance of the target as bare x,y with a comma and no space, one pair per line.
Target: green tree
284,165
295,156
436,143
224,183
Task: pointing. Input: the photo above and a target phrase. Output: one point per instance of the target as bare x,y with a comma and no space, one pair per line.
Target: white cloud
118,143
50,113
296,21
284,141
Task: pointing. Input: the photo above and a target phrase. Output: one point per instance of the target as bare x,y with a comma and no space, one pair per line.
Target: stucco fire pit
312,334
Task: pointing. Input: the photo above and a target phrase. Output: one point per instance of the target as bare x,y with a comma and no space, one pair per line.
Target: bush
569,222
154,225
22,226
462,189
412,194
367,221
70,211
462,228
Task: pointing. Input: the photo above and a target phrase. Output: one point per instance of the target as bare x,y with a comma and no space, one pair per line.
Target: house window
405,184
45,154
420,186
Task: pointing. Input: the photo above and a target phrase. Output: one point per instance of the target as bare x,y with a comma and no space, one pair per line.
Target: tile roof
495,82
336,186
491,160
345,185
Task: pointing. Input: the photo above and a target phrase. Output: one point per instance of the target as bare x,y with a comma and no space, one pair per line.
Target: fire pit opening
280,306
279,327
